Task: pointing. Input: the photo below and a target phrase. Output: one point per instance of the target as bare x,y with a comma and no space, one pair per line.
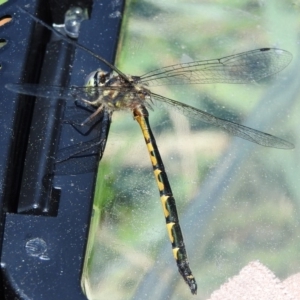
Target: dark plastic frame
45,219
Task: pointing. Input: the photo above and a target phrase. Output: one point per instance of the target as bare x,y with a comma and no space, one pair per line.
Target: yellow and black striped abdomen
167,200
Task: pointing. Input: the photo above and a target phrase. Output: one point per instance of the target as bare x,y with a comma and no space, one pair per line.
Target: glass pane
237,201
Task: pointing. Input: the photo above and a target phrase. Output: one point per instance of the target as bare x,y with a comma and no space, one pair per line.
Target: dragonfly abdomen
167,200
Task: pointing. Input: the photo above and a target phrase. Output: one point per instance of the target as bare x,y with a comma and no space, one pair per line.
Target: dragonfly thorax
115,92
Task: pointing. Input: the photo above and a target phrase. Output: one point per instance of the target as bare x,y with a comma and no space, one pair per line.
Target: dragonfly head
97,78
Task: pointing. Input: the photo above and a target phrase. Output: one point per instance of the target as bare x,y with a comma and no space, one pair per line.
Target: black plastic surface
45,217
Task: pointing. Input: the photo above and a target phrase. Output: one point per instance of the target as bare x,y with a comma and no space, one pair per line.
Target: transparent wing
241,131
67,93
244,67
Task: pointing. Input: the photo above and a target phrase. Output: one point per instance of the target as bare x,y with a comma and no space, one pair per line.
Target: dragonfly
116,91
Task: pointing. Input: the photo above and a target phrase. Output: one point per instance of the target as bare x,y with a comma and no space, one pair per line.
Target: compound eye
91,79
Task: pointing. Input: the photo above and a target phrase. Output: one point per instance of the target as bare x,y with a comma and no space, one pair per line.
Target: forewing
67,93
244,67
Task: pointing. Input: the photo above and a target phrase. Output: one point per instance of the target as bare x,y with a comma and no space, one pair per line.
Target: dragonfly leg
167,199
93,115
